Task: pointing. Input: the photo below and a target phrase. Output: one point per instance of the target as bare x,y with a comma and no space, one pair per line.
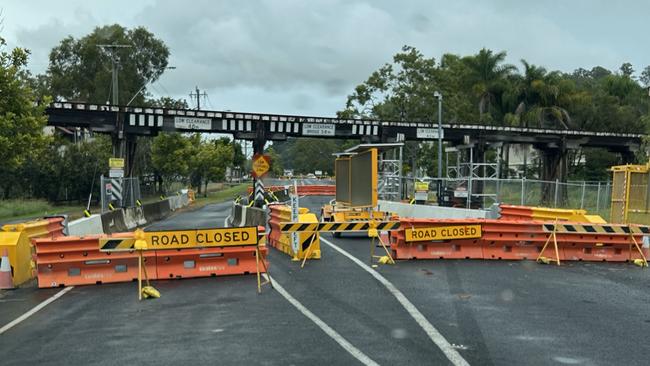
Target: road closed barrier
97,259
517,240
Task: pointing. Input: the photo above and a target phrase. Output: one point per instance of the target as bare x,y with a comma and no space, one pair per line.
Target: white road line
35,309
355,352
435,336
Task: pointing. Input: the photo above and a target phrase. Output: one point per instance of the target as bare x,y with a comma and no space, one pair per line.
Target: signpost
116,163
295,206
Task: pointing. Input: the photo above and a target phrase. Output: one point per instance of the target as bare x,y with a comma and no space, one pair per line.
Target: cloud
306,56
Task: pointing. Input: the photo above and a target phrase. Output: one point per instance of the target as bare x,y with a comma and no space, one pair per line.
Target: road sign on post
261,165
116,163
295,206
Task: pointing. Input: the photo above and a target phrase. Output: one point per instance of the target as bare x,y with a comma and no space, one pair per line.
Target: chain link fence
595,197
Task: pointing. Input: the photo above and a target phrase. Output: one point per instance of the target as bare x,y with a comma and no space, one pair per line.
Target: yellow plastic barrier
308,243
16,238
550,214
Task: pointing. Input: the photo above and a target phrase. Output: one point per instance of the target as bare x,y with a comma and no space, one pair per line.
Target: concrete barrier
114,222
86,226
254,216
156,211
134,217
433,212
174,203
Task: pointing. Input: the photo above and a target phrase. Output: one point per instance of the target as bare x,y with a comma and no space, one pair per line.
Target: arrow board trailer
184,239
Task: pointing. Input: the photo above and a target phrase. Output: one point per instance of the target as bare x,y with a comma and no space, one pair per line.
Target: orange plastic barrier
188,263
71,260
512,212
516,240
75,260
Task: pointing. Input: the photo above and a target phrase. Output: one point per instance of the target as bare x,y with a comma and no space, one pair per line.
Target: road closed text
201,238
443,233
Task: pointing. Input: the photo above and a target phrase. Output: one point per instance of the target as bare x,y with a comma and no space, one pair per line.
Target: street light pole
438,95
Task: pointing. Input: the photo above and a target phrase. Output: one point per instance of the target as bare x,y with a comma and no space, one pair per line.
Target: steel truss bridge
123,123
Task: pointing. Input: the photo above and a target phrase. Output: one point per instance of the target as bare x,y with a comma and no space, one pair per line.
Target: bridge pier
554,168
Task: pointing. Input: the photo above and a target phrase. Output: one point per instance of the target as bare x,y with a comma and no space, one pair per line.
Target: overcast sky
305,57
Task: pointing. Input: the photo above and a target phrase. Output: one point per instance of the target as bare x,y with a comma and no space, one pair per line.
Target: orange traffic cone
6,282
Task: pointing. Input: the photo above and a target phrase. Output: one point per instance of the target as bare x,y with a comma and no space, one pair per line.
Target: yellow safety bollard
147,291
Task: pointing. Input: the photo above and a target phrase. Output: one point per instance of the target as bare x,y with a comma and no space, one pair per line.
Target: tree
627,70
487,79
170,157
645,76
276,163
538,97
211,160
21,121
80,69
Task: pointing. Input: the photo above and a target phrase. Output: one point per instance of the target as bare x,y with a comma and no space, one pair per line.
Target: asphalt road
491,312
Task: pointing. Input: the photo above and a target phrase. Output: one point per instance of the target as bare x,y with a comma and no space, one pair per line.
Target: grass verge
222,195
16,209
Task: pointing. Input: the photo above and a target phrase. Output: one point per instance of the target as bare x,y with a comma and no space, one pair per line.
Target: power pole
118,140
198,96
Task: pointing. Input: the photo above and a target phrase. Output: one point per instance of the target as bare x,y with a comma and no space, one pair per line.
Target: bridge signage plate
318,129
193,123
428,133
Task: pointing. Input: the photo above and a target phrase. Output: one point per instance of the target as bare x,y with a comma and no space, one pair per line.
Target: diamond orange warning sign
443,233
261,165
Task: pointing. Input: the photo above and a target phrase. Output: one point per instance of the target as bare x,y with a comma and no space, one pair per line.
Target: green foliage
306,155
21,122
177,157
276,162
482,88
209,160
81,70
170,156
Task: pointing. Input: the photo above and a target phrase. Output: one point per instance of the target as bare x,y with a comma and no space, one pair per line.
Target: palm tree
487,76
538,96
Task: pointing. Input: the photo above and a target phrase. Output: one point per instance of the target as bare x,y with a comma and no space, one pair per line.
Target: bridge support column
258,183
554,169
628,156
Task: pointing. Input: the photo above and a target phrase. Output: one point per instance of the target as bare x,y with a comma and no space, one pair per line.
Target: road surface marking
355,352
428,328
35,309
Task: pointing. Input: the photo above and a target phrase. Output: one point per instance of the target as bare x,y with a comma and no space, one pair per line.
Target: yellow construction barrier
16,238
550,214
308,243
